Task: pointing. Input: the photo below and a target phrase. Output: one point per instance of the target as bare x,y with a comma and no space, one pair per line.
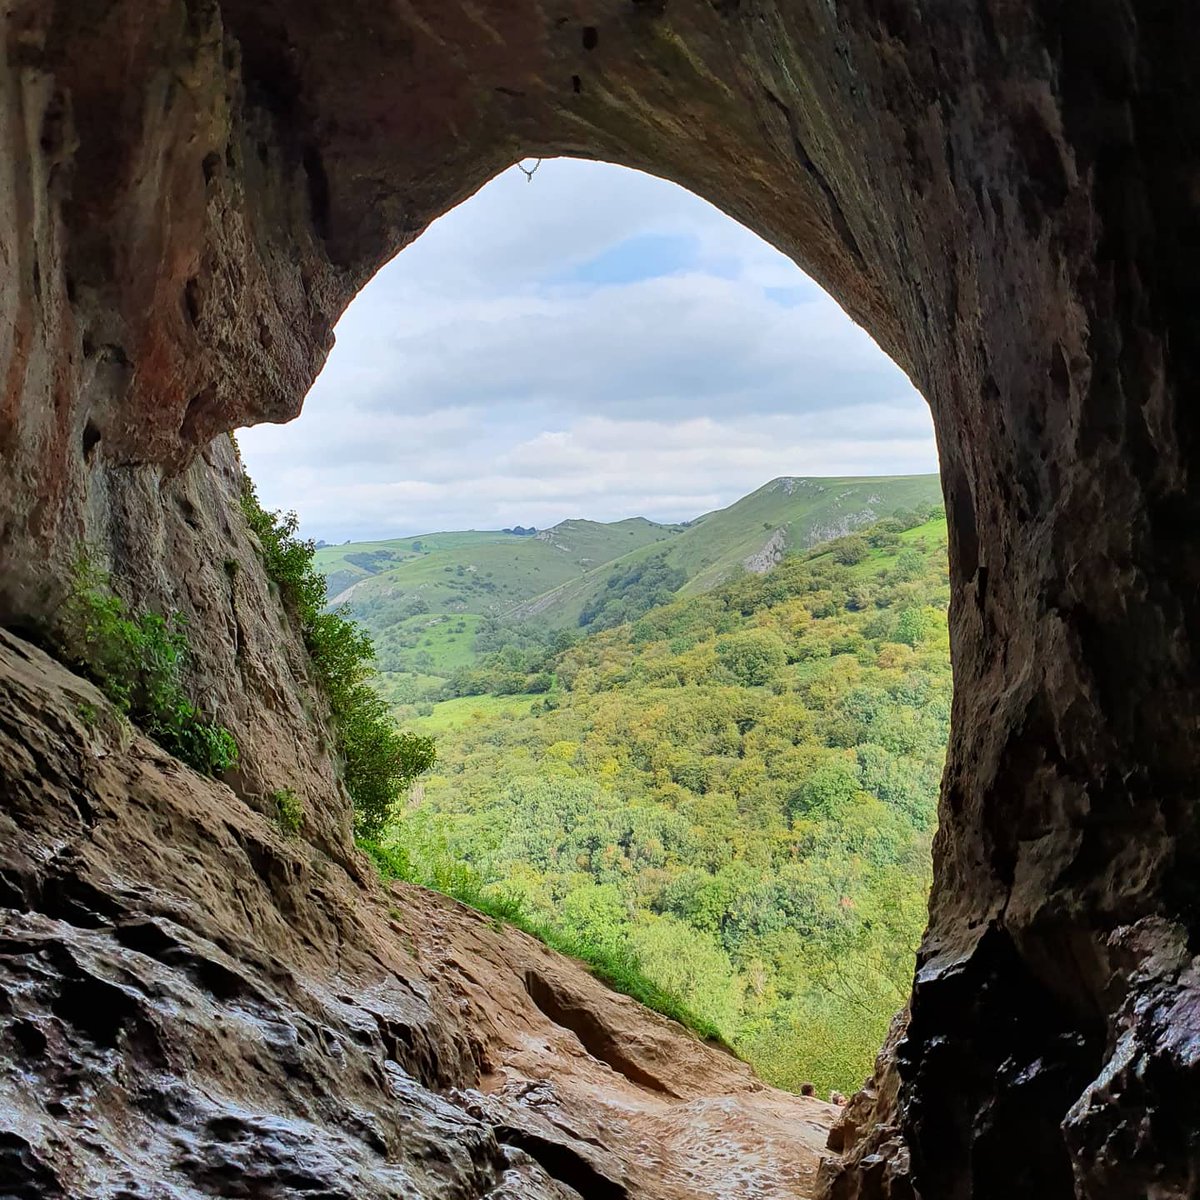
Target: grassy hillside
733,796
795,514
438,603
752,534
515,566
422,598
348,564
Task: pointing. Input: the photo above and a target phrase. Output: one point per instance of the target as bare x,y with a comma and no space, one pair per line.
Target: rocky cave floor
192,1004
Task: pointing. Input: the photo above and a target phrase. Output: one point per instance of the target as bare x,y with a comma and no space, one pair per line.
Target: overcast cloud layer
593,343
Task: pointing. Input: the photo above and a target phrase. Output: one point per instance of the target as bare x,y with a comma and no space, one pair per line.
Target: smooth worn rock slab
192,1004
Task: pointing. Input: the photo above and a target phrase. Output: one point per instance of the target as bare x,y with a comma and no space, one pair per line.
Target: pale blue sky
593,343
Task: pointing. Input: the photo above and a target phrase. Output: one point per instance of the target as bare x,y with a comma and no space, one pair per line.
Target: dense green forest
735,792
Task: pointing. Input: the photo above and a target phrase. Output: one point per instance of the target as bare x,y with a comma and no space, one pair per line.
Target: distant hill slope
424,598
754,533
479,571
792,513
349,564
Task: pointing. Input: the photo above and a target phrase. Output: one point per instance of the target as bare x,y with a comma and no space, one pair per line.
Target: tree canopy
738,790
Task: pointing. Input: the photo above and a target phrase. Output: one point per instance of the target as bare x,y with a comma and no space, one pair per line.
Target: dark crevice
964,531
67,896
837,215
564,1164
318,192
95,1008
91,439
189,512
191,428
25,1176
191,300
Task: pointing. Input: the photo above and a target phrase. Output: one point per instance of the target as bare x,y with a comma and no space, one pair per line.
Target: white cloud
594,343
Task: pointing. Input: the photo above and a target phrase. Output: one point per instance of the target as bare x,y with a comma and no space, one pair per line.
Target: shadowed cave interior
1003,197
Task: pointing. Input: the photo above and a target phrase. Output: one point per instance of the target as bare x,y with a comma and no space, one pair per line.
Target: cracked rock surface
193,1005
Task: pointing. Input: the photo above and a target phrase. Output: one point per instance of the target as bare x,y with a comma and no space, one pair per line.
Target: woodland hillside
438,603
732,796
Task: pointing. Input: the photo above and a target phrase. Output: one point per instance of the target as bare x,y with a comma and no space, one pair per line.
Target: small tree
850,550
379,761
753,656
827,791
910,628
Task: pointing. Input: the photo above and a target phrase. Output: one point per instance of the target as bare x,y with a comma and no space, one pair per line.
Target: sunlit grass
454,714
614,965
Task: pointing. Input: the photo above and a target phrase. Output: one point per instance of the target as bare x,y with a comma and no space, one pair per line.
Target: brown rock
191,1002
1004,194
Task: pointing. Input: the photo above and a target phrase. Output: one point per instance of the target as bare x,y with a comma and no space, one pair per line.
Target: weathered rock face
1004,193
870,1156
194,1005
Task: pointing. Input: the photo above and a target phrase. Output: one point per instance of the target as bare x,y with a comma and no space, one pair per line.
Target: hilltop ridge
426,598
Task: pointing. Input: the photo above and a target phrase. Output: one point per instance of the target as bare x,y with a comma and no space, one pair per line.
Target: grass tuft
139,661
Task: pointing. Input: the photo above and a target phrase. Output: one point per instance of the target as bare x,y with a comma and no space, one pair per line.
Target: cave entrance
523,419
1003,194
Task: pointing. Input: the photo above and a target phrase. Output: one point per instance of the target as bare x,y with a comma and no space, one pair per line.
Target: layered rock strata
1003,193
193,1004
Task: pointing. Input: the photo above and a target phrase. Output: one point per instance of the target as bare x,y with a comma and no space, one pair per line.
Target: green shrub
850,550
379,760
289,810
909,565
139,660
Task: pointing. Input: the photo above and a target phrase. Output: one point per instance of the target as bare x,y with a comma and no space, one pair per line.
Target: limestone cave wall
1004,193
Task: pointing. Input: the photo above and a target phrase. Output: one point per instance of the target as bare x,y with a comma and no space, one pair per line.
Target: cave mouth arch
573,312
1002,197
586,341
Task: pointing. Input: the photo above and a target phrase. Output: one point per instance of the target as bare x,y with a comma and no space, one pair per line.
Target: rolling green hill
423,598
752,534
349,564
435,603
479,572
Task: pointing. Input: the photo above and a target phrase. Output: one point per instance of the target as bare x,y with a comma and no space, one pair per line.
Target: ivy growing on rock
288,811
139,660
